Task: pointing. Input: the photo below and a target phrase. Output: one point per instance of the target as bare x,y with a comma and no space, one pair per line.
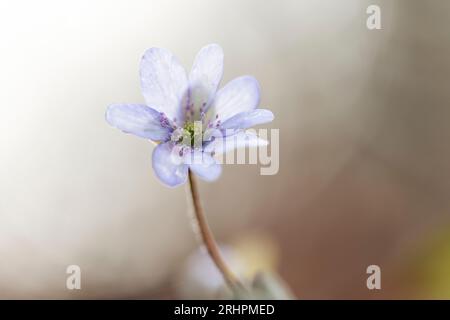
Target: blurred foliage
432,267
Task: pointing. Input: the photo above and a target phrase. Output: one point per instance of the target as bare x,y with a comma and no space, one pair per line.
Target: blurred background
364,149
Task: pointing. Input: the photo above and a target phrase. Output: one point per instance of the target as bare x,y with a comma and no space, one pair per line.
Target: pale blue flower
176,103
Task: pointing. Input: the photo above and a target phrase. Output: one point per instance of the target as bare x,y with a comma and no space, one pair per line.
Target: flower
188,118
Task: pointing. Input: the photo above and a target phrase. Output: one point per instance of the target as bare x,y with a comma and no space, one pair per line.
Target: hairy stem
207,236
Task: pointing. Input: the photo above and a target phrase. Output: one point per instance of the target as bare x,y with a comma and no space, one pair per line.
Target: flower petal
137,119
239,95
239,140
248,119
167,165
205,166
163,82
205,76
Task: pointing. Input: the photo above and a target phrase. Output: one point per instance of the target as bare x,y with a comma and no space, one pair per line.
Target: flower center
190,135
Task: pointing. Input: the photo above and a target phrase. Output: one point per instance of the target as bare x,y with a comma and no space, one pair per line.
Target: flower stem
207,236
